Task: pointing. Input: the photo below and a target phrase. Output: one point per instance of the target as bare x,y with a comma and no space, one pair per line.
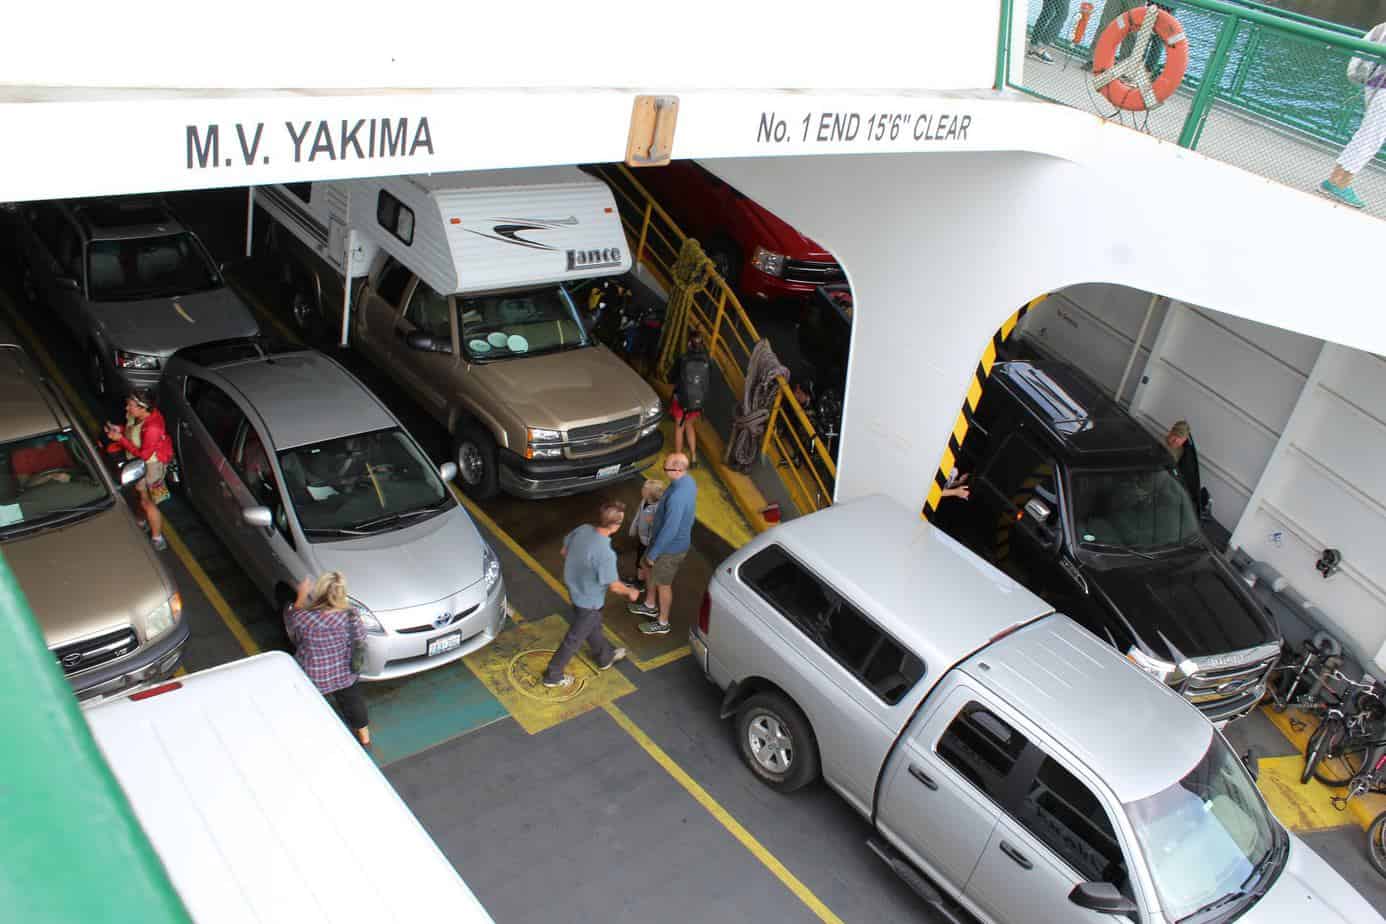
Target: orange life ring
1124,95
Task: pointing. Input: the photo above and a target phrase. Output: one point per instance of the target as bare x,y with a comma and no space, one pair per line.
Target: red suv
757,254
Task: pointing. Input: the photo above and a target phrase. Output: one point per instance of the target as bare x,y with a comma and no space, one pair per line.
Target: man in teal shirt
589,571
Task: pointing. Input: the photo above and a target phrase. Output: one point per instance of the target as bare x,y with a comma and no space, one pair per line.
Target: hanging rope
690,272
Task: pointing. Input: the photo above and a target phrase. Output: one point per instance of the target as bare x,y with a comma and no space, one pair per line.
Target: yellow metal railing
700,299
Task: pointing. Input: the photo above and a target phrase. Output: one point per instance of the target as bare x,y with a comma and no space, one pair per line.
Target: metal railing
1265,89
699,298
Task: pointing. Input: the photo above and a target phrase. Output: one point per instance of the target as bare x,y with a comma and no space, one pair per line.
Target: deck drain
526,673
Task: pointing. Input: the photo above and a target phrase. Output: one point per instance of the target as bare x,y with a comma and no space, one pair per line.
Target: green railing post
1212,74
1003,47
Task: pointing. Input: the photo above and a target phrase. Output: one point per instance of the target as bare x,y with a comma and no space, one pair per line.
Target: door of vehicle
204,441
378,309
57,265
1055,834
941,792
1023,546
427,374
271,556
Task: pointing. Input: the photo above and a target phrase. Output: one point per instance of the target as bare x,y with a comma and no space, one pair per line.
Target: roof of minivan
492,179
1134,732
921,585
306,398
1078,413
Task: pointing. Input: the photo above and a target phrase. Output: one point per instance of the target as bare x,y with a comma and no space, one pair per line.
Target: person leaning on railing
1370,135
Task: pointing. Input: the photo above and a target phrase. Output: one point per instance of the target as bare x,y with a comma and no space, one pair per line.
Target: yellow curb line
742,489
214,597
723,817
1363,809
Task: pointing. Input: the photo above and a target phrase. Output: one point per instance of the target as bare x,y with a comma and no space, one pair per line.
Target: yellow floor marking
510,667
1301,807
716,510
1297,726
669,657
175,542
723,817
181,672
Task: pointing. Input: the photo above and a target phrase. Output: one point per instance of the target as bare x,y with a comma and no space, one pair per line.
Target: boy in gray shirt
589,571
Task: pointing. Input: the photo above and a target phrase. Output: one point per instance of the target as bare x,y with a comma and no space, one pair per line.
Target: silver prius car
301,470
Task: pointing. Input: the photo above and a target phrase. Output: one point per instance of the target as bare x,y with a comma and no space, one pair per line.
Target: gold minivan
105,603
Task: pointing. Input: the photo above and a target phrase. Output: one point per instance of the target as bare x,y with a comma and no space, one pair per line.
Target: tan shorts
665,567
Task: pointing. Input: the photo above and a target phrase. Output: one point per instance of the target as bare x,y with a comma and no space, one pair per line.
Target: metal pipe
1282,21
1003,46
1212,74
1136,347
249,220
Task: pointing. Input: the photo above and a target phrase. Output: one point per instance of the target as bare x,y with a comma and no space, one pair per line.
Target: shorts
677,412
153,480
665,567
350,704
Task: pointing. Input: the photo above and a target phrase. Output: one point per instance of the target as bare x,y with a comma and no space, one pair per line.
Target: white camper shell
462,233
263,807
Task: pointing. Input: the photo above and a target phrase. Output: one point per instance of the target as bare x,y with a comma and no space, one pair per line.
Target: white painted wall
926,44
1326,487
1094,327
1236,382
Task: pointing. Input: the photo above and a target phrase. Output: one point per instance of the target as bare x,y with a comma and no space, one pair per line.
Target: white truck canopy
263,807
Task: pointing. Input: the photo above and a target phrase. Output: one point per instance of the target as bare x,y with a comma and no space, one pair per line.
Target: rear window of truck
813,607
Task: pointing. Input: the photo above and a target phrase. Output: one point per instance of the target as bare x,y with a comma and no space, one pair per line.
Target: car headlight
1163,671
490,568
653,413
768,262
541,435
124,360
543,444
164,616
373,626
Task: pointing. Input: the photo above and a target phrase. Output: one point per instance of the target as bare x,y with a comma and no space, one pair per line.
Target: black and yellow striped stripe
974,395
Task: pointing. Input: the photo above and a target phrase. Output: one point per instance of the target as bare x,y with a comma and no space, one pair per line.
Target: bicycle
1376,843
1299,682
1349,732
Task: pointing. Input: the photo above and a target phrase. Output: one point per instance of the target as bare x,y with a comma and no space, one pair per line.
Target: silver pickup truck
1014,768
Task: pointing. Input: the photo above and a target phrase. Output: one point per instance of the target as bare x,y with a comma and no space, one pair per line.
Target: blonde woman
642,527
324,630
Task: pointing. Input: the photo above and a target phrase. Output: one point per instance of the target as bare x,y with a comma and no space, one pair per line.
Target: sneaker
159,543
562,683
1044,56
642,609
654,627
618,655
1344,194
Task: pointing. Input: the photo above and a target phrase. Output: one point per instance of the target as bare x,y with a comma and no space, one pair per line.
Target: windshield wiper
1214,905
1125,550
332,531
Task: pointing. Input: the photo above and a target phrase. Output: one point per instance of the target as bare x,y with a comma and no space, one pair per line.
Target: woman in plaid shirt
324,629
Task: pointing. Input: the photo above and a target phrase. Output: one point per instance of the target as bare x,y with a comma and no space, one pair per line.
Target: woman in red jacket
145,436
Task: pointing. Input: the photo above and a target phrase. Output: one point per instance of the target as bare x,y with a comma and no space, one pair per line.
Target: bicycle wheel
1341,761
1376,844
1320,745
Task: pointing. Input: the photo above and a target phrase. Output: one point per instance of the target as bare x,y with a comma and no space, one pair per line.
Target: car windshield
1205,838
507,324
358,485
47,479
1132,509
148,267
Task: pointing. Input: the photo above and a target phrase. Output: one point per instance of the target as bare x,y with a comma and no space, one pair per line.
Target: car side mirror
66,282
1038,510
258,516
426,343
1252,763
132,472
1102,897
448,471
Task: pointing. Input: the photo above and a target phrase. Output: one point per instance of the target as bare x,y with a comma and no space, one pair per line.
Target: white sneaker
562,683
618,655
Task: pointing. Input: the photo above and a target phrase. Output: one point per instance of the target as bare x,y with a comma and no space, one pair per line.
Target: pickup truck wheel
475,453
776,742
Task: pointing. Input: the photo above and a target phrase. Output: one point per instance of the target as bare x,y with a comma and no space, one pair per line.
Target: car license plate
606,470
444,643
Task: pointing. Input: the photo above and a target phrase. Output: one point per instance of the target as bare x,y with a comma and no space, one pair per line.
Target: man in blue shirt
672,535
589,571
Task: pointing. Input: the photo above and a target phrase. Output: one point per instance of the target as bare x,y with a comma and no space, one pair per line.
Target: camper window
505,324
395,217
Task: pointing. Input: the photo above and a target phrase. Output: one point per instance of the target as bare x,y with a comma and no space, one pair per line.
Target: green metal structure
72,850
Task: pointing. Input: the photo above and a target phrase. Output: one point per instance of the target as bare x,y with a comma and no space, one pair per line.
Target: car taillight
704,613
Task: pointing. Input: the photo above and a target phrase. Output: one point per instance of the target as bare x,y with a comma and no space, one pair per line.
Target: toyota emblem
442,620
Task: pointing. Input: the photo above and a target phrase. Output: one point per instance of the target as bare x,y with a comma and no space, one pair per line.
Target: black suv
1076,501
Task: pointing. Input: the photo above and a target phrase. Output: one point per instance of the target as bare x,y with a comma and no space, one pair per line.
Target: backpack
1361,70
693,379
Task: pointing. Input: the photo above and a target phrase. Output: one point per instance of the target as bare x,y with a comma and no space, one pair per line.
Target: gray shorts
665,567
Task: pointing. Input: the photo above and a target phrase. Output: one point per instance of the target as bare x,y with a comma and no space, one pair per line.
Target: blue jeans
1051,17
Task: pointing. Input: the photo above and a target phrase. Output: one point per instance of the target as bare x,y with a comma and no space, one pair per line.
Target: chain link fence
1264,89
